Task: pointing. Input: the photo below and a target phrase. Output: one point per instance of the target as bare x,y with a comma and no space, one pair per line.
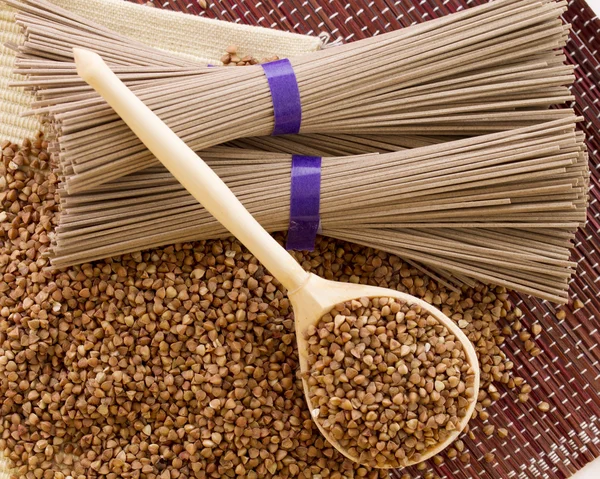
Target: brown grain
386,380
232,58
544,406
178,361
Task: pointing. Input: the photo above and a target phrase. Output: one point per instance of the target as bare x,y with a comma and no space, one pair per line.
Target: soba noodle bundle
489,68
456,160
498,208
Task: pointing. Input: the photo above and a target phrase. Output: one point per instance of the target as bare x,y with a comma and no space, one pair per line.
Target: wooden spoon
311,296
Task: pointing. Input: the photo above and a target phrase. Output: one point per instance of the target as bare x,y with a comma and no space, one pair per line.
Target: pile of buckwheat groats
387,380
232,58
179,361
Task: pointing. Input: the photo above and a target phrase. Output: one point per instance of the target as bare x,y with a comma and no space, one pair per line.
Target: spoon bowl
312,297
318,296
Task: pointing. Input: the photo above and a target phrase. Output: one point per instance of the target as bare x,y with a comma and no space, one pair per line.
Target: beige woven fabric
12,101
203,38
187,35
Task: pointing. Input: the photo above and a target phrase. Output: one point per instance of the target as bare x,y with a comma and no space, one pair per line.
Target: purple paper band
285,96
305,198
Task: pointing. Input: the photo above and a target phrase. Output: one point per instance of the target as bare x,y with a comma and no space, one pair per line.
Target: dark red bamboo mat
567,374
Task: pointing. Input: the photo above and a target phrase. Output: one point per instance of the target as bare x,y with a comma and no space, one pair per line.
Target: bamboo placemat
567,375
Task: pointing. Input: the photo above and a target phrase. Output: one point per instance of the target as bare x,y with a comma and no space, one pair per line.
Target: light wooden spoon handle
189,169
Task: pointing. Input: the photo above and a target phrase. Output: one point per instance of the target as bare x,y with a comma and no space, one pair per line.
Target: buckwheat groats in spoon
387,380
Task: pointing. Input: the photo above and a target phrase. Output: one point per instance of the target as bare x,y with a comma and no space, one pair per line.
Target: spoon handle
189,169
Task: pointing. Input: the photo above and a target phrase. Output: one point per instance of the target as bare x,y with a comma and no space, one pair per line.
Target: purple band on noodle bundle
305,198
285,96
